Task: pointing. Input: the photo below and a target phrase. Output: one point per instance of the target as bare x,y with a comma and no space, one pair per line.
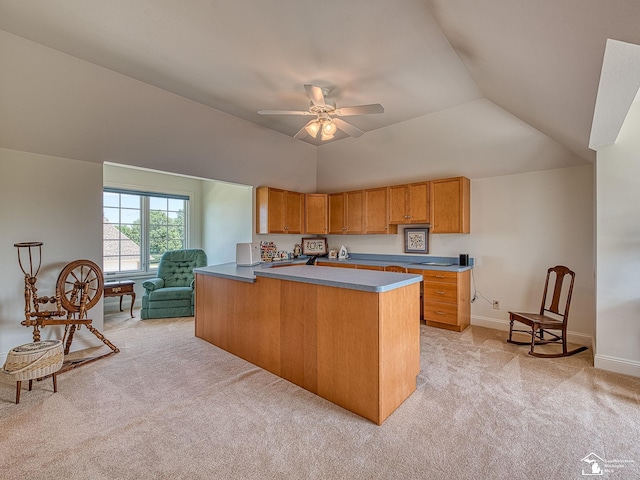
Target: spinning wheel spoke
72,273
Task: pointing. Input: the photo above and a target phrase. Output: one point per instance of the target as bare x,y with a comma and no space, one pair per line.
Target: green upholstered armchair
171,293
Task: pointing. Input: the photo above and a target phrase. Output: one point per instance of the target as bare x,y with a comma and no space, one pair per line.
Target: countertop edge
356,281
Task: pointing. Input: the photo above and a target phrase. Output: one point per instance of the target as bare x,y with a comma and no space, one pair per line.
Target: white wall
60,105
55,201
618,250
521,225
227,219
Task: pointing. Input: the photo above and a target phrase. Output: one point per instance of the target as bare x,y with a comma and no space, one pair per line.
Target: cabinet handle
440,292
440,313
439,276
116,289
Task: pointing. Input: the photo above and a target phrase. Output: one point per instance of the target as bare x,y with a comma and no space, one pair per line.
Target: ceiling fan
326,120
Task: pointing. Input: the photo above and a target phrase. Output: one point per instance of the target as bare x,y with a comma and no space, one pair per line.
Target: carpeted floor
171,406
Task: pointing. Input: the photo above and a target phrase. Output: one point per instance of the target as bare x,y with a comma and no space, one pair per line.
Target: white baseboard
500,324
488,322
617,365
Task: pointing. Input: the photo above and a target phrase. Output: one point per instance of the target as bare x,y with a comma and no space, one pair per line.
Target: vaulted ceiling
538,60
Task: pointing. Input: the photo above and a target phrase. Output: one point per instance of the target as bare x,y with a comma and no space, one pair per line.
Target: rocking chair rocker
549,318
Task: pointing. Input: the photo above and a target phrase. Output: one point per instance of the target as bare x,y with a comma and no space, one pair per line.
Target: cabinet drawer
439,276
441,312
369,267
112,289
441,292
335,265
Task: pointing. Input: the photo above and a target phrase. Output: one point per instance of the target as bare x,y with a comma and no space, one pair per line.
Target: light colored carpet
171,406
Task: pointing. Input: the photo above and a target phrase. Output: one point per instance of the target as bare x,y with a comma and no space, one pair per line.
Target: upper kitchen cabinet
376,211
346,212
450,200
409,204
279,211
316,217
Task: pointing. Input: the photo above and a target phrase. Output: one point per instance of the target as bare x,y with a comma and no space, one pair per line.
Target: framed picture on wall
416,240
314,246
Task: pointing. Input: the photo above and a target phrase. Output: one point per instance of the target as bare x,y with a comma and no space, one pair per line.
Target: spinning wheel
80,285
79,288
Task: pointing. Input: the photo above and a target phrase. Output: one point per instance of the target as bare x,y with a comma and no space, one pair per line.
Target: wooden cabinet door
346,212
418,202
375,211
316,213
278,211
270,210
336,213
294,212
409,204
450,205
354,212
398,204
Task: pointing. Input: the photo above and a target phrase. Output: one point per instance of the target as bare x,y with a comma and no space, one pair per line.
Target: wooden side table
121,288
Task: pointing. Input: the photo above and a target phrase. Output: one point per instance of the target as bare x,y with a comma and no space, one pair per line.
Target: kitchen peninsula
350,336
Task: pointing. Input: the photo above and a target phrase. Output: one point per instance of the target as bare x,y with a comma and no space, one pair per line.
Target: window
138,227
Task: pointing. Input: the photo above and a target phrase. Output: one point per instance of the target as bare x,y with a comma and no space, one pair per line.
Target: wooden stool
34,360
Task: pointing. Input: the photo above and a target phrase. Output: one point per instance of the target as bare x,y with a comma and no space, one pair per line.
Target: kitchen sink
435,264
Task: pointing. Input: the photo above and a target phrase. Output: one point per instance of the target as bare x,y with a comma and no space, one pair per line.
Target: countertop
447,264
367,280
364,280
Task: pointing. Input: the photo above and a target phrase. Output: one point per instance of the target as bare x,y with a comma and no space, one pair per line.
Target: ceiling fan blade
284,112
347,128
315,94
360,110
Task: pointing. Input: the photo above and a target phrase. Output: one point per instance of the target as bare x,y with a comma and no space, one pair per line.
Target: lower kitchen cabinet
446,298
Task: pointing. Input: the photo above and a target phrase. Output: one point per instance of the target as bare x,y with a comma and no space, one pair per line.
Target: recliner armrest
153,284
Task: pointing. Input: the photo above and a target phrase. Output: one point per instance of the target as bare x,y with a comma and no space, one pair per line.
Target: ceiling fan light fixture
323,109
324,137
313,128
329,128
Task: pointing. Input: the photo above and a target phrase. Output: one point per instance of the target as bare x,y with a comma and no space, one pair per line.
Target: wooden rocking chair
549,318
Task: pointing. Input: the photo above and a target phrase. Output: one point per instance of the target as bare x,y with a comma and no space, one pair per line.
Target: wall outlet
496,304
